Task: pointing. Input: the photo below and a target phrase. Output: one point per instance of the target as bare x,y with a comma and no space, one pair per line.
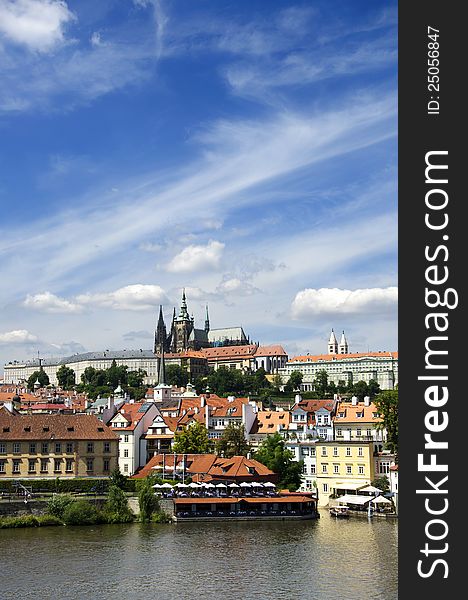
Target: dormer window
27,428
360,415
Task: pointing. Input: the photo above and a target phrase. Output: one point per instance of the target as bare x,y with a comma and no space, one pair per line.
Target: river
326,559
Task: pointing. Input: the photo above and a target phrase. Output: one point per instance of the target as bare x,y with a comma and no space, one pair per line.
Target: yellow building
49,446
343,467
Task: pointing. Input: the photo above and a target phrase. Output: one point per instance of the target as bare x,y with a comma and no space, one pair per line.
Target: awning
354,499
370,489
382,500
345,485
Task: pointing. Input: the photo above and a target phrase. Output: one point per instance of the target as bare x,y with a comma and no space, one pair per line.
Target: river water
325,559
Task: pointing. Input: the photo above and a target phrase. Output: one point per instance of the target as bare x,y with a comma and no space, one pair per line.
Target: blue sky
244,150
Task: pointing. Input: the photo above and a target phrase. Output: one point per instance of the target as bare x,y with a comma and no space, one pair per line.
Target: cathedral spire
343,347
207,321
183,308
162,369
160,336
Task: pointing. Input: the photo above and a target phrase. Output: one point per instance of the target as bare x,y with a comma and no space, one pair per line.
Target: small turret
332,344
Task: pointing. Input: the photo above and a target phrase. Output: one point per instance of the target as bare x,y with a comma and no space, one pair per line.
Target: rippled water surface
326,559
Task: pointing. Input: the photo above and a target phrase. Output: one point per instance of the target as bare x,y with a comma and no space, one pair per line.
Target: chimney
230,398
366,401
354,401
202,401
297,398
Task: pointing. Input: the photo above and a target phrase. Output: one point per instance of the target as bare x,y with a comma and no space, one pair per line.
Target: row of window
46,447
348,451
336,469
42,465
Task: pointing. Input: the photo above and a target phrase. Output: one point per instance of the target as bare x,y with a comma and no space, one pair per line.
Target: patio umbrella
221,485
157,485
256,484
233,485
181,485
269,484
166,486
382,500
194,485
210,485
370,489
245,484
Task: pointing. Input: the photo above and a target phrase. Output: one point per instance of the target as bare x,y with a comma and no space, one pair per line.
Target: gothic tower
343,347
332,344
160,336
182,327
207,321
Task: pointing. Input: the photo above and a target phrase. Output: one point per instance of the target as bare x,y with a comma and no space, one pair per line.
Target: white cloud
131,297
334,301
236,286
196,258
50,303
37,24
17,336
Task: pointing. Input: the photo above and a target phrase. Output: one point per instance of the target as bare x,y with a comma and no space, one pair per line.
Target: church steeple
207,321
160,337
162,370
332,344
183,315
343,347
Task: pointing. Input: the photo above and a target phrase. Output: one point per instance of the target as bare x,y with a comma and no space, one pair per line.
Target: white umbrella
221,485
157,485
256,484
245,484
181,485
370,489
194,485
210,485
233,485
166,485
382,500
269,484
203,484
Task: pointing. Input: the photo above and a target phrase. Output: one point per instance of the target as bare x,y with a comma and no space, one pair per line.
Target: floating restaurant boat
281,507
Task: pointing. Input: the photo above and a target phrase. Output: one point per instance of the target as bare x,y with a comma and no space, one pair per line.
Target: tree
135,378
116,509
40,376
382,483
233,442
321,382
360,390
147,501
294,381
66,377
177,375
116,375
387,405
274,455
277,381
192,440
117,478
373,388
225,381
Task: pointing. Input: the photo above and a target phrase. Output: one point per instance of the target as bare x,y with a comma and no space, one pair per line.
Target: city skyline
246,153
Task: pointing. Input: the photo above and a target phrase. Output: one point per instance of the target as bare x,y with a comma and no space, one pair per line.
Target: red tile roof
326,357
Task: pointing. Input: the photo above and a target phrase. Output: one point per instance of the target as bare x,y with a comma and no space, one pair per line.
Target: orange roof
271,351
229,352
130,412
347,413
268,421
58,427
338,357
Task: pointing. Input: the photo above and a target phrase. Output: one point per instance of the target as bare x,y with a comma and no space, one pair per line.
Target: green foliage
102,382
177,375
226,381
67,485
57,504
321,383
81,512
161,517
382,483
273,454
387,405
233,442
66,377
117,478
116,509
147,501
40,376
192,440
294,381
28,521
